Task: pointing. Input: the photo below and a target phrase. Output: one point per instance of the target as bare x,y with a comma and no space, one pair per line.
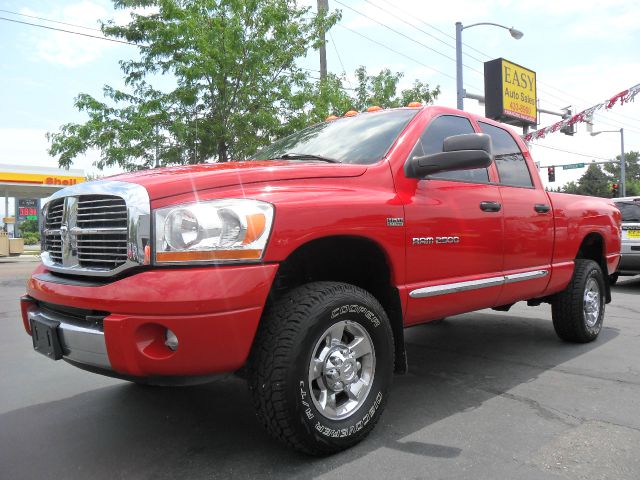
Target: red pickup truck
302,266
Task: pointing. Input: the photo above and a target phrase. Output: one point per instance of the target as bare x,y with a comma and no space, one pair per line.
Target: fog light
171,340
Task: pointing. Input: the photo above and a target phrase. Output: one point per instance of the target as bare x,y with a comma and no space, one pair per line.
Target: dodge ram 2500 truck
302,266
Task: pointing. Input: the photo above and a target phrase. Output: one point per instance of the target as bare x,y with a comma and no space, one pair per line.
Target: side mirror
460,152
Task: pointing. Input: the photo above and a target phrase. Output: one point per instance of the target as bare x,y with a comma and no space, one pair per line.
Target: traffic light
614,190
552,174
569,129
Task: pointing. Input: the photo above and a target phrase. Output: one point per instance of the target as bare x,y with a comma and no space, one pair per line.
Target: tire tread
567,306
270,358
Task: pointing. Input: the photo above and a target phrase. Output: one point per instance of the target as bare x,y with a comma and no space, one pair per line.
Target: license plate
633,233
44,333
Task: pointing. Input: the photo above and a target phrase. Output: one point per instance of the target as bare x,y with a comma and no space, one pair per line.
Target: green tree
381,90
594,182
632,171
571,187
28,226
236,85
328,97
332,97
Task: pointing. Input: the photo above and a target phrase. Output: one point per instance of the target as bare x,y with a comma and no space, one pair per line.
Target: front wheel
578,311
321,367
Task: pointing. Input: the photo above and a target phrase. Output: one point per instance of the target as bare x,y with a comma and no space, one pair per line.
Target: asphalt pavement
490,395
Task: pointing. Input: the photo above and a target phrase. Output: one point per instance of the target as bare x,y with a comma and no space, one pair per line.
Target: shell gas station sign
46,179
27,184
510,93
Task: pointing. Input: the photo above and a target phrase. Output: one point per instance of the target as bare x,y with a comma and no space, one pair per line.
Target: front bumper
121,326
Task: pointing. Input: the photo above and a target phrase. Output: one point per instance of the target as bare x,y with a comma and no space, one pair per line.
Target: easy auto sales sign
510,93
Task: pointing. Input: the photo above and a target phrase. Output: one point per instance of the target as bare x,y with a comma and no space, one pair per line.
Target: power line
396,31
418,28
547,93
568,151
413,39
69,31
335,47
49,20
435,28
396,51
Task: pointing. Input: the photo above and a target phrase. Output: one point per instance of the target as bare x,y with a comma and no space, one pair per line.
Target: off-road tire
280,366
570,320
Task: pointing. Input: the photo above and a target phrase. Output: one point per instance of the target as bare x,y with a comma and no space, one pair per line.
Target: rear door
528,220
454,234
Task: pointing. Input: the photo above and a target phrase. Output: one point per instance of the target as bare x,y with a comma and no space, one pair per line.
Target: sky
583,52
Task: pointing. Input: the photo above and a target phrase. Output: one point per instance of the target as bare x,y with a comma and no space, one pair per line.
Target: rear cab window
509,159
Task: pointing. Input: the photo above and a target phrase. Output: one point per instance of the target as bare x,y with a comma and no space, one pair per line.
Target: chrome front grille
97,228
102,231
52,242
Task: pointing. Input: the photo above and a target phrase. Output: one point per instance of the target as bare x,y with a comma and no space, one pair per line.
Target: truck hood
165,182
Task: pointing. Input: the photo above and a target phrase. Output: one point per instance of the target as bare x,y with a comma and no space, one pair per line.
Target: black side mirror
460,152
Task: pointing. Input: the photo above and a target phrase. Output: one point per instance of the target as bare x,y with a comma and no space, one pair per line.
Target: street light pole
623,165
460,93
459,86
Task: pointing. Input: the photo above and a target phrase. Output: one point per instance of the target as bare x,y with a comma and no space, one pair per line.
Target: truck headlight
228,230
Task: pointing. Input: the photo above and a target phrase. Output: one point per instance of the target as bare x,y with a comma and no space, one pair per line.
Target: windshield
364,138
630,211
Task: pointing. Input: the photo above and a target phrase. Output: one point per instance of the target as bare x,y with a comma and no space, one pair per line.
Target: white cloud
71,50
67,49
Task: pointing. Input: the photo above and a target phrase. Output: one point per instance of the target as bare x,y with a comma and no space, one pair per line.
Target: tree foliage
29,226
632,172
333,97
594,182
234,83
598,181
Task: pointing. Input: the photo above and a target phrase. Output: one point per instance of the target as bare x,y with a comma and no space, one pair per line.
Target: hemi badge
395,222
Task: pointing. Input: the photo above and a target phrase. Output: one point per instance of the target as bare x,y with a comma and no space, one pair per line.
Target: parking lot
490,395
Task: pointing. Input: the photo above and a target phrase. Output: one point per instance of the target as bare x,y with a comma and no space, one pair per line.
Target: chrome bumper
81,343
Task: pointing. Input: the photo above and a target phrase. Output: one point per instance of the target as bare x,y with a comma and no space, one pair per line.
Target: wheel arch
592,247
356,260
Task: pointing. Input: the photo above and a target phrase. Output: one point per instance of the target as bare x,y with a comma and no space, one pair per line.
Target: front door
454,234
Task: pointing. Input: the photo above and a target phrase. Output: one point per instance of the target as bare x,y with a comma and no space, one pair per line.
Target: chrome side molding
476,284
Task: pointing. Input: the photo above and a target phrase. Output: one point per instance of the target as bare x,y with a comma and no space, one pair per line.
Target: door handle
490,206
541,208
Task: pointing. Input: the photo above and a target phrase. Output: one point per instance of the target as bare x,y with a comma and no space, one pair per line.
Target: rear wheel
321,367
578,311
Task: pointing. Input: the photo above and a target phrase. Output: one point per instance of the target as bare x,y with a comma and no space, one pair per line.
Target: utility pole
623,173
323,6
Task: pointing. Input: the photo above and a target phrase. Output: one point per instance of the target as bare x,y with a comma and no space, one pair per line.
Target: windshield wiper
306,156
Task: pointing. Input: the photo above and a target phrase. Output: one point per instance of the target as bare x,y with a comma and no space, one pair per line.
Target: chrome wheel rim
591,302
341,370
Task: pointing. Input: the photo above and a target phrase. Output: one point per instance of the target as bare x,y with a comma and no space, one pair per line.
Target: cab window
512,167
432,139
